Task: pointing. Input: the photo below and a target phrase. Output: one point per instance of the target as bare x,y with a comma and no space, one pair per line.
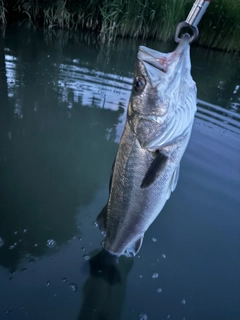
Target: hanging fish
159,122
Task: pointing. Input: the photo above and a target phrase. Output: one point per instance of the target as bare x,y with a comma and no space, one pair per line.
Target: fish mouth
159,60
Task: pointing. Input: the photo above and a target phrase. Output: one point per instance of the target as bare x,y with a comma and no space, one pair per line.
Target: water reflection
105,288
62,112
53,136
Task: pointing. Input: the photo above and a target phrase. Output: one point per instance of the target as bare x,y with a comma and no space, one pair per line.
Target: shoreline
157,20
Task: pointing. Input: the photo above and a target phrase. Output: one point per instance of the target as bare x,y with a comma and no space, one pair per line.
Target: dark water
62,111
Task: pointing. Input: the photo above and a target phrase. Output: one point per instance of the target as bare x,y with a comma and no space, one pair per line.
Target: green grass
219,28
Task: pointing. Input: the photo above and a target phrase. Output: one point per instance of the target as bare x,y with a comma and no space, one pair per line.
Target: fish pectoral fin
101,219
154,170
133,249
173,181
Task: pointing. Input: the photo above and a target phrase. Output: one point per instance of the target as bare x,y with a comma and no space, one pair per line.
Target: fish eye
139,84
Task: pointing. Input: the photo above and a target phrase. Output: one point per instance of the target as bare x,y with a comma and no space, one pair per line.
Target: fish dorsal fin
173,181
133,249
154,170
110,181
101,220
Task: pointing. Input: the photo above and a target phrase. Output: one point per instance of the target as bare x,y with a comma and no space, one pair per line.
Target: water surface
63,107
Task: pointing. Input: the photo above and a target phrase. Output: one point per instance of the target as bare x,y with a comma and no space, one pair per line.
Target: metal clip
198,9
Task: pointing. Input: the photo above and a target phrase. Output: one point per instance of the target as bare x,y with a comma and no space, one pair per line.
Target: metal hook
198,9
183,24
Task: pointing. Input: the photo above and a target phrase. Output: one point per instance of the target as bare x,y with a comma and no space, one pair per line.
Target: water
63,106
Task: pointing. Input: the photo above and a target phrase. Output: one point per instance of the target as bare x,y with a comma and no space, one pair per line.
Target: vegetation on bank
219,28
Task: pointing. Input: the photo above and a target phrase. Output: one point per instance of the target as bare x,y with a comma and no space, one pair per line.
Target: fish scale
153,142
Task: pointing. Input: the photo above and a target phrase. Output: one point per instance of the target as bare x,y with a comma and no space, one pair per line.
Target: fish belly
130,208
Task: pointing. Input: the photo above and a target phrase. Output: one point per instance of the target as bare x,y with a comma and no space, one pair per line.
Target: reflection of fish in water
157,130
104,290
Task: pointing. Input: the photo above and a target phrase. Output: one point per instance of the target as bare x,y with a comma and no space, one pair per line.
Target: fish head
162,86
157,75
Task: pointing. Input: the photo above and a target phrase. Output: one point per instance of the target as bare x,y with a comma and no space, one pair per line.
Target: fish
159,121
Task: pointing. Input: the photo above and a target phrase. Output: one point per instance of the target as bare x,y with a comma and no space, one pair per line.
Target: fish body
157,130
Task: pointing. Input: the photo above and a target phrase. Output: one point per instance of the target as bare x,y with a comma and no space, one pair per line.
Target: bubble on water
143,316
24,230
48,283
183,301
95,224
154,239
83,249
8,312
73,287
168,317
155,275
1,242
164,256
140,276
12,247
159,290
35,245
64,279
15,243
51,243
86,257
15,232
55,295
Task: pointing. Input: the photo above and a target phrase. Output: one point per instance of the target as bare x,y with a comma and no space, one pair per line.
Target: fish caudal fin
101,219
154,170
134,248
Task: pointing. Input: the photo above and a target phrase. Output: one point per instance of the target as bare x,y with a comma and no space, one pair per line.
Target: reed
220,27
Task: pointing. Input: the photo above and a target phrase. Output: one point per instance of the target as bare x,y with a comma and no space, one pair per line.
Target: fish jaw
168,63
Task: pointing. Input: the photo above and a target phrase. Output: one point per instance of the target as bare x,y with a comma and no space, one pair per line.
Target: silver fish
159,122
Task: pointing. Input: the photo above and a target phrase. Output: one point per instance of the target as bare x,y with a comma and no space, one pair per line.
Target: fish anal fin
134,248
154,170
101,219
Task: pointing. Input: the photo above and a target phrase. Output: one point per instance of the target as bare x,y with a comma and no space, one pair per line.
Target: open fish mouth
160,60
